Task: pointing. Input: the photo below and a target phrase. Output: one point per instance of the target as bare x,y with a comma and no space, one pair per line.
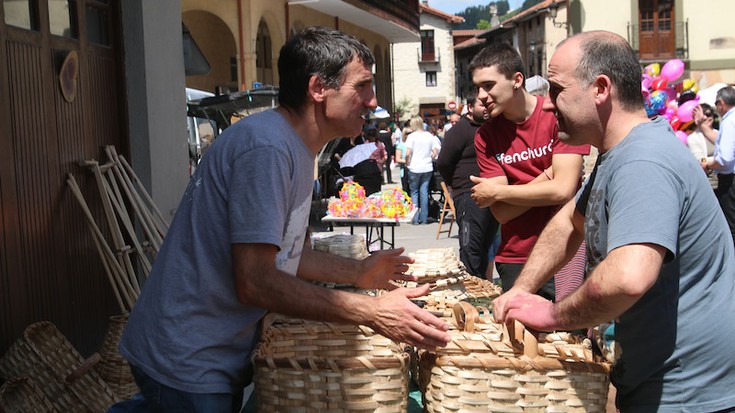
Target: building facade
424,71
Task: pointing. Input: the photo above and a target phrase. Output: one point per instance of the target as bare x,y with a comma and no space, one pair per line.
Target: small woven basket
303,366
66,379
21,395
113,368
489,368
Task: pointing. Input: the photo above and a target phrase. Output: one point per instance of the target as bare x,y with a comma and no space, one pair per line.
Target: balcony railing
406,10
429,57
681,33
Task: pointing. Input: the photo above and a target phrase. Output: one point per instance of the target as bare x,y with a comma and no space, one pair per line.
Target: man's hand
381,267
485,192
403,321
500,304
531,310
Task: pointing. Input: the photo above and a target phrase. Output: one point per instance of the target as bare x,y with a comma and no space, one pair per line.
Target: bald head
606,53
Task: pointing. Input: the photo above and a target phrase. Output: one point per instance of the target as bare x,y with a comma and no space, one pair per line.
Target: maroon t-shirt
521,152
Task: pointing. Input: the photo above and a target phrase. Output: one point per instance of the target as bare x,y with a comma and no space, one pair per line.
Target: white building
424,71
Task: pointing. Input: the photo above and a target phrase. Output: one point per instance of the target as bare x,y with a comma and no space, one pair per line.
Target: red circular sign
452,105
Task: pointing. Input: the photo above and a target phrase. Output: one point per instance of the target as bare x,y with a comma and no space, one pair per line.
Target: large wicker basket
21,395
303,366
113,368
66,379
488,368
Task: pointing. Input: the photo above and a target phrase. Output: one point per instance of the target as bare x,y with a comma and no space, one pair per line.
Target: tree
483,25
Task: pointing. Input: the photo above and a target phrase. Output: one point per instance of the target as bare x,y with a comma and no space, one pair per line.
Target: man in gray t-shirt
235,247
660,257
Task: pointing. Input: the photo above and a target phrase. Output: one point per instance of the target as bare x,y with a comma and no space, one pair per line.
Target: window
430,79
233,69
97,22
21,14
62,17
427,46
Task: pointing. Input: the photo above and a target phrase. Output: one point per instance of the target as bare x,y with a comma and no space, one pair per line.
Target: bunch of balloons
395,203
664,95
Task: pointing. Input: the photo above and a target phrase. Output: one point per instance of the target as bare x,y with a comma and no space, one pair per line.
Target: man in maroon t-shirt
526,172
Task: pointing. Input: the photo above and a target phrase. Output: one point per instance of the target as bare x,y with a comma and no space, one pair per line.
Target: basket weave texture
66,379
21,395
114,368
493,369
304,366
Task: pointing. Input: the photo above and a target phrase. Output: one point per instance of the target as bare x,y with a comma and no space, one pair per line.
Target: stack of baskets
311,366
345,245
489,368
449,281
67,381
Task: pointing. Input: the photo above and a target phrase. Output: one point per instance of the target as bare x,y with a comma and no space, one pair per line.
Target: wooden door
49,268
657,34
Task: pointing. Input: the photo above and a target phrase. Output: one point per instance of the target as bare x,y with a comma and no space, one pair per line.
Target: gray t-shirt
676,340
188,330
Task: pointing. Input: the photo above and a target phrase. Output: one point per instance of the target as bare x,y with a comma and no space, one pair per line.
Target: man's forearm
556,245
321,266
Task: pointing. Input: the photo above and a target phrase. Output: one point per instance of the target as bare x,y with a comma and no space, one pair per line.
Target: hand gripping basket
304,366
67,380
490,368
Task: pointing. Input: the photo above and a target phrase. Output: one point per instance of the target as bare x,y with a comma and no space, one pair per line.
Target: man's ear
316,89
603,86
518,80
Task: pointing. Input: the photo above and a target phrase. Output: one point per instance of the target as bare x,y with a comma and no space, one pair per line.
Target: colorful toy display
664,95
390,203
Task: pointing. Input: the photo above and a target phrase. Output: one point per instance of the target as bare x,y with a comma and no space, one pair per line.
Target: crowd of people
643,242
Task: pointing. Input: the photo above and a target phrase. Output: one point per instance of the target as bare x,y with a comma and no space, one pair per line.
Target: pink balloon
685,110
673,69
669,113
683,137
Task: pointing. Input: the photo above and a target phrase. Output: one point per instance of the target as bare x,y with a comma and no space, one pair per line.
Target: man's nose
548,105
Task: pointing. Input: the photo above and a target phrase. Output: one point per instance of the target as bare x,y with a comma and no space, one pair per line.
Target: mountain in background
478,17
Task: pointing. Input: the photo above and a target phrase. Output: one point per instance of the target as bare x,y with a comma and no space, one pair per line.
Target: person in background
421,149
527,172
384,136
401,159
537,85
454,117
659,251
235,250
723,161
457,162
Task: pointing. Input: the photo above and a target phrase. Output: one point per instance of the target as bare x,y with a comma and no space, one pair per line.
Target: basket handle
515,332
86,366
466,315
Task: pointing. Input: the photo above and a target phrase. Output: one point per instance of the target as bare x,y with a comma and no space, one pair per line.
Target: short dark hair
471,97
503,56
727,95
604,53
316,51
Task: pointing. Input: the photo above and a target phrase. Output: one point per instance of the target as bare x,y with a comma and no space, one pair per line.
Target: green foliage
483,25
474,14
529,3
402,107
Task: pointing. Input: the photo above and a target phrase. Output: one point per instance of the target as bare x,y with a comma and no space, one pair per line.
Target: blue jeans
419,183
164,399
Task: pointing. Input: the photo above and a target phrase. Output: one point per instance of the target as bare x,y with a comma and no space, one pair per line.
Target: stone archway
218,45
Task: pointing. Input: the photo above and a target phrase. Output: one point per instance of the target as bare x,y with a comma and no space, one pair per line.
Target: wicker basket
303,366
21,395
66,379
113,368
487,368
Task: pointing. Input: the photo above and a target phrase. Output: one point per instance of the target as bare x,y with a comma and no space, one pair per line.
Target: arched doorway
217,43
264,55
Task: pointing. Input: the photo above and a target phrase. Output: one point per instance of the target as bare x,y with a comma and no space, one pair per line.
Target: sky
456,6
